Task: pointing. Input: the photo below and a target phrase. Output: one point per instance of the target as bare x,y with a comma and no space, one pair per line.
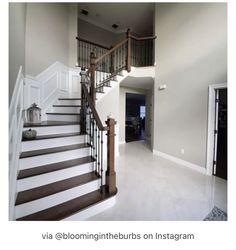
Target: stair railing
92,126
132,51
103,67
142,50
85,48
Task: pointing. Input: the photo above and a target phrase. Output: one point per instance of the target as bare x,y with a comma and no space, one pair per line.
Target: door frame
211,125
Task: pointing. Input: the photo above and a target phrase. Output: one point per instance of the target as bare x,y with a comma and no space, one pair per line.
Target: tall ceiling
136,16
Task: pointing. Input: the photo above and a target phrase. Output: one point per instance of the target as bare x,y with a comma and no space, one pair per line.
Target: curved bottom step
79,208
93,210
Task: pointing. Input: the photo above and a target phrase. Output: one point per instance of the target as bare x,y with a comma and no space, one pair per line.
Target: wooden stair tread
56,113
55,187
52,150
52,136
59,105
69,208
53,167
49,123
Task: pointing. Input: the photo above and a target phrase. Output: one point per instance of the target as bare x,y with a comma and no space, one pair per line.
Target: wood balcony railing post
128,62
112,57
110,173
83,102
92,77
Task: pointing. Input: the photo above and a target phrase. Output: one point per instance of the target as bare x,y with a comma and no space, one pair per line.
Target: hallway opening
135,117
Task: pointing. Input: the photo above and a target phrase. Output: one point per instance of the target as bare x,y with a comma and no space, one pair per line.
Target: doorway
135,117
220,149
217,131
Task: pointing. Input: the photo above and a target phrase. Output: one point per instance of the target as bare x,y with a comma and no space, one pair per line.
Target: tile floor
153,188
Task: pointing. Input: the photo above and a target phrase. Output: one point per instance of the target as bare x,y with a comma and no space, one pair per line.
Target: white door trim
211,121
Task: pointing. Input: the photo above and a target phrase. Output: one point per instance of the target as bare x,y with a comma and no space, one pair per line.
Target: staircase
57,179
68,171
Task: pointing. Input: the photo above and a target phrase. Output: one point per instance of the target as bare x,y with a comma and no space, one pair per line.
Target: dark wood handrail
111,50
143,38
93,43
93,109
95,61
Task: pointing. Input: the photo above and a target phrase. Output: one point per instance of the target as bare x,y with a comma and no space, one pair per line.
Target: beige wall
72,35
47,36
109,105
191,54
17,20
98,35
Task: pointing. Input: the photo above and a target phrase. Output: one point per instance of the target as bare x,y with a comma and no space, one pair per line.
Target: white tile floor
153,188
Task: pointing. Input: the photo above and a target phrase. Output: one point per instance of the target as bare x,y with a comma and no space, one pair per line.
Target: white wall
47,32
17,20
191,54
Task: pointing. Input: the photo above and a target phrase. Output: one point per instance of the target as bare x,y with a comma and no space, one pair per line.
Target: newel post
128,62
110,173
92,77
83,81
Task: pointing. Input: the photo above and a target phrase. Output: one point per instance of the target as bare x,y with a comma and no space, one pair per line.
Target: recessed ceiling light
84,12
115,26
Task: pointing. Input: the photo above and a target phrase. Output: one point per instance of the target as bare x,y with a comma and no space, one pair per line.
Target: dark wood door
221,160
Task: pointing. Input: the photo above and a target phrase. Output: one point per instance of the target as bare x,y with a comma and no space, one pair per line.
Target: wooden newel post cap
128,32
110,122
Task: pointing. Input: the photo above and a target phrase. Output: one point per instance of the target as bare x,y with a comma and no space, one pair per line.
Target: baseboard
181,162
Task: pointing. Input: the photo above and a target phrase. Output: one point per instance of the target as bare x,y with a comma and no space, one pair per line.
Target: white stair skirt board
64,118
50,143
181,162
55,199
65,109
44,179
34,161
93,210
52,130
68,102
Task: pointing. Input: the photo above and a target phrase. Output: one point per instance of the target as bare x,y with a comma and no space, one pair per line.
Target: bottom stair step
70,208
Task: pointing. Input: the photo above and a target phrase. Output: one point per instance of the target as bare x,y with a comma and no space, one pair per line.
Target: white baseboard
187,164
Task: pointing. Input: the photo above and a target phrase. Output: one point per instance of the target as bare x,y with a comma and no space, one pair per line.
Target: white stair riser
68,102
92,210
44,179
50,143
65,109
64,118
40,160
52,130
55,199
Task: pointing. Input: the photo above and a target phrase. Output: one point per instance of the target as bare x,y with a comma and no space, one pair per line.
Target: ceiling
136,16
137,82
